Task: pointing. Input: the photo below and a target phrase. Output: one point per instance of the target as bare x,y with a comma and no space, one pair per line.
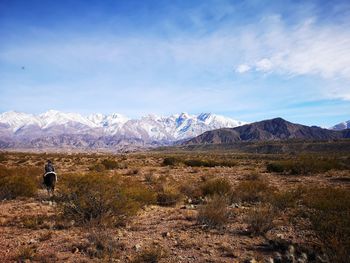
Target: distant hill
341,126
268,130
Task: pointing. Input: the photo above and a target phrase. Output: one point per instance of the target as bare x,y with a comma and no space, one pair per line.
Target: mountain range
54,129
268,130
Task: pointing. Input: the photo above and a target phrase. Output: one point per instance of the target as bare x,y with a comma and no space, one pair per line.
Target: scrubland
176,206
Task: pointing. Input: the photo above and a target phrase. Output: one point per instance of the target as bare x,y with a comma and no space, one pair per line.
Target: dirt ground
174,229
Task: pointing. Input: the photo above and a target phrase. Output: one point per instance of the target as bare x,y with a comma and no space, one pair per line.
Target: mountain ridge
19,129
267,130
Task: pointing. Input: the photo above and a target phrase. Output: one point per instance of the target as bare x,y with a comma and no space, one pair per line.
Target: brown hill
268,130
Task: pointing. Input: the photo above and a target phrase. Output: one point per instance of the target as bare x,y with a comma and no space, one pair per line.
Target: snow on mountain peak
151,127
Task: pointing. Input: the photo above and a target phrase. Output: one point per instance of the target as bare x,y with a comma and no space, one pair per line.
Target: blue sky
249,60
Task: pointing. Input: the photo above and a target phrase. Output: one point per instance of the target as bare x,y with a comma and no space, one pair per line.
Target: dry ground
29,228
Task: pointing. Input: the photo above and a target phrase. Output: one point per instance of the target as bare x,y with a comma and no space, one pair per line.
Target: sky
249,60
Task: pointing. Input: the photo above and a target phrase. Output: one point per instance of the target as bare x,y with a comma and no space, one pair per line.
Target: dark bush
170,161
110,164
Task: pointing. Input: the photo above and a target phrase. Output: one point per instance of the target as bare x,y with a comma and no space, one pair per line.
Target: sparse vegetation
215,213
252,191
20,182
217,186
260,220
96,198
203,211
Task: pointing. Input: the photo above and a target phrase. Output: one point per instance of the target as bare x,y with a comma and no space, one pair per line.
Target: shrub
306,165
25,254
150,255
215,213
192,191
101,244
168,196
330,217
18,185
95,198
260,220
216,186
285,199
97,167
252,191
110,164
2,157
170,161
208,163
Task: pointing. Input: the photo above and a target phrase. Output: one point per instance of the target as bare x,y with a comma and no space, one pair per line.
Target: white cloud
263,65
242,68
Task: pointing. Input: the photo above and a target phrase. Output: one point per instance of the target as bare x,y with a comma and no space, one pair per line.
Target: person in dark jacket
50,177
49,167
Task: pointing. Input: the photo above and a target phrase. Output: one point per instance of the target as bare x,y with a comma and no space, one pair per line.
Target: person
49,167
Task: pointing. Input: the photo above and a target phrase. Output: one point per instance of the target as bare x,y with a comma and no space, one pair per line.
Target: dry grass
215,213
260,220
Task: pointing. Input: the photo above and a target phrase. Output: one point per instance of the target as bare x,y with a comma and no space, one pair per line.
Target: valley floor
30,230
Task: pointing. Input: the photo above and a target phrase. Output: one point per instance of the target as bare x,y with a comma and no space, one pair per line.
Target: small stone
277,257
137,247
166,234
291,249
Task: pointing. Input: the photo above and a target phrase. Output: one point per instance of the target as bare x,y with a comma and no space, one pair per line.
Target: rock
291,249
137,247
269,260
166,234
277,257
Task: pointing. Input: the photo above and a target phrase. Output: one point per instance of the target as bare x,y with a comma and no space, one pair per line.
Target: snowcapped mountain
341,126
98,130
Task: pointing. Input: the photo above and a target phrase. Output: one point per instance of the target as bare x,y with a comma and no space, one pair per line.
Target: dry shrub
330,217
192,191
215,213
3,157
101,244
25,254
98,167
216,186
307,165
252,191
20,182
133,171
110,164
150,255
96,198
285,199
35,222
168,196
260,220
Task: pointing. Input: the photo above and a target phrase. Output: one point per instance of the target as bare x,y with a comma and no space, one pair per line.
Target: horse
50,180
